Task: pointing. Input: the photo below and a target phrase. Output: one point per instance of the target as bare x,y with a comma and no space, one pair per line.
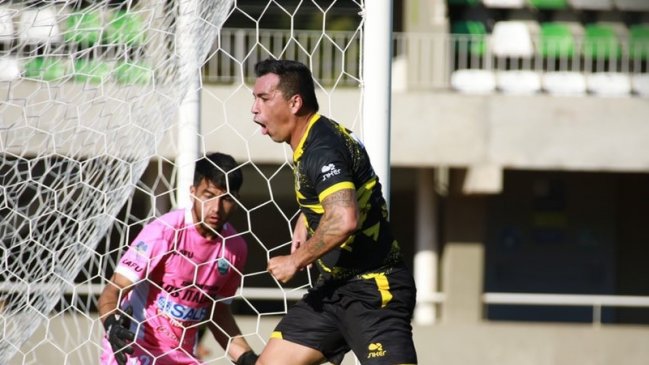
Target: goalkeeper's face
212,206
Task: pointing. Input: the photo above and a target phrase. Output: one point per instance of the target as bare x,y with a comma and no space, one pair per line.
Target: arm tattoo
330,224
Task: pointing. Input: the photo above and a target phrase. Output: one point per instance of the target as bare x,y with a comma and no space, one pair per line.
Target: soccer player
364,297
179,273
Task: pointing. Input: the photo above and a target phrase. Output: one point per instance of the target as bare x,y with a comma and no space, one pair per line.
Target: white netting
90,94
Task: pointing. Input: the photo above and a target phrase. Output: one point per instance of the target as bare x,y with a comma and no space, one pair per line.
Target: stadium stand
591,4
549,4
505,4
632,5
9,69
83,28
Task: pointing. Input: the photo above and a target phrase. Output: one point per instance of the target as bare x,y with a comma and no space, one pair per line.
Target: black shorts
370,314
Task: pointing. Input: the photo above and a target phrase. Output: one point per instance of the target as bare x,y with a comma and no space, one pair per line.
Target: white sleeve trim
128,273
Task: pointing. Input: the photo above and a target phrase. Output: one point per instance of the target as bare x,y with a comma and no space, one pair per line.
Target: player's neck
301,126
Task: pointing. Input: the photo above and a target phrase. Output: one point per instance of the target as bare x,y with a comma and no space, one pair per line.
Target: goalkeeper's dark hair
221,169
294,78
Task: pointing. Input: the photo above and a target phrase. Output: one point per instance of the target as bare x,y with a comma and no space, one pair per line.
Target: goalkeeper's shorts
370,314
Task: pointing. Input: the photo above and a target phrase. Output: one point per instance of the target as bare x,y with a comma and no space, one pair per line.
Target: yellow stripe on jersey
299,150
277,334
316,208
382,284
334,188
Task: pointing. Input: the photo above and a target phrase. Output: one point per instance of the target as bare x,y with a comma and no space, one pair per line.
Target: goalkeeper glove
119,335
247,358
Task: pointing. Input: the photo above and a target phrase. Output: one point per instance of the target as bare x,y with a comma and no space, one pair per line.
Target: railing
597,302
421,60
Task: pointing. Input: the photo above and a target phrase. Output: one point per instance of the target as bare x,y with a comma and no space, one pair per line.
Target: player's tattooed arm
338,222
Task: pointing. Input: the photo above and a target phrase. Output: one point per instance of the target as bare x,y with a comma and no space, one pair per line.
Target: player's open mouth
263,129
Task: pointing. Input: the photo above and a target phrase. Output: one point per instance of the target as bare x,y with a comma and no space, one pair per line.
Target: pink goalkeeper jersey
178,275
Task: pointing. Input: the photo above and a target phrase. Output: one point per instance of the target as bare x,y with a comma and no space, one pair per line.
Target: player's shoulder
168,222
233,237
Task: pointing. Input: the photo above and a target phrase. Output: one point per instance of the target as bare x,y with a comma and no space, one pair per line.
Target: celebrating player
179,273
364,297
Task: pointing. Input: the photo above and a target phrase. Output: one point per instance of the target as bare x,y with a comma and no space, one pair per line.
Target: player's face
212,206
270,108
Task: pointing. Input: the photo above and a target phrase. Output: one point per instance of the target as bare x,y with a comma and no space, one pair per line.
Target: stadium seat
133,74
518,82
557,39
93,71
6,26
632,5
45,68
514,38
564,83
470,37
9,69
639,41
125,27
549,4
83,28
463,2
592,4
602,41
505,4
39,26
640,84
608,83
473,81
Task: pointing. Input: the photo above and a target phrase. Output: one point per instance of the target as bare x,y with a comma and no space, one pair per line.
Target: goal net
90,99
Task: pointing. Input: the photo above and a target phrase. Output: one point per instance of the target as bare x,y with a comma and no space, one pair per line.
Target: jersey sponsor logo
329,170
179,311
141,247
376,350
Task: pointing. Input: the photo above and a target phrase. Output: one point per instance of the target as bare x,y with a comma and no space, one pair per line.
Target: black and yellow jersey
329,158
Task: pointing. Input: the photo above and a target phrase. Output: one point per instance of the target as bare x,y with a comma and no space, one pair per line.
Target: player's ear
296,103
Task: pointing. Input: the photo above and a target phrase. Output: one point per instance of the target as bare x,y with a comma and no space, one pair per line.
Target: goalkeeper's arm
116,322
225,329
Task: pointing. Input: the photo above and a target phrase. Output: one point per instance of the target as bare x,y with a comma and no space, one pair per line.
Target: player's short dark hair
220,169
294,78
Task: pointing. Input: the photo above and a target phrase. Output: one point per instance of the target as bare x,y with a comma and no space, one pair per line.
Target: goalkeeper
364,297
177,275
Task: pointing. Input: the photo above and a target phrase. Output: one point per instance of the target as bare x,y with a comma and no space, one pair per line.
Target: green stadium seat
463,2
639,41
549,4
471,37
125,27
133,74
83,28
602,41
557,40
93,71
45,68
